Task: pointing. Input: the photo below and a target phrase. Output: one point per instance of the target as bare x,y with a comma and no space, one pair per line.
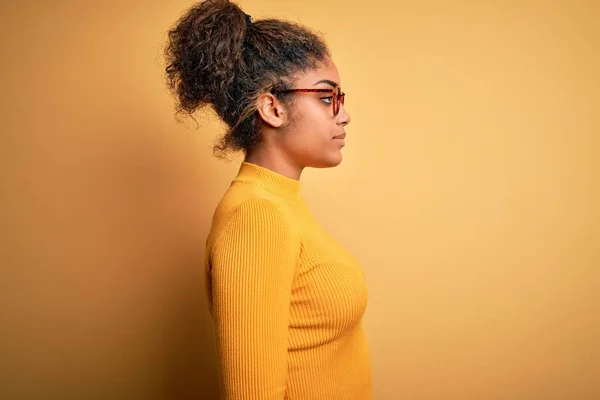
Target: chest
330,287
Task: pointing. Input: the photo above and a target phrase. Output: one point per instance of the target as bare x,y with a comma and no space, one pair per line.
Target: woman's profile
286,299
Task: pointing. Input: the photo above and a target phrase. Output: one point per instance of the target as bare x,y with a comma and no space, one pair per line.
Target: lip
342,136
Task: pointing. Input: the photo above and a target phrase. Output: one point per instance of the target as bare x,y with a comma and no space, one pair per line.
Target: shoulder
260,219
260,214
259,208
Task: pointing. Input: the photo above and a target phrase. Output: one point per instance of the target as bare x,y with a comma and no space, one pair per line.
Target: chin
329,162
337,161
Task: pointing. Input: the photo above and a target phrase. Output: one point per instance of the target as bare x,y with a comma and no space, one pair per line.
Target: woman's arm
254,261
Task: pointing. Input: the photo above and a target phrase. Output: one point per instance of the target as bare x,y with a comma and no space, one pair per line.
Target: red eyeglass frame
337,100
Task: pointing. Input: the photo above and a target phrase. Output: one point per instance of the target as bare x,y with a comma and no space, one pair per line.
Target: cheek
313,112
317,135
311,131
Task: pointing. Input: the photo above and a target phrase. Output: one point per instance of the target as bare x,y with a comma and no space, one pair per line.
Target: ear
271,110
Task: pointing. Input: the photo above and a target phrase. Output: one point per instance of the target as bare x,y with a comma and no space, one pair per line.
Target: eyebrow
327,81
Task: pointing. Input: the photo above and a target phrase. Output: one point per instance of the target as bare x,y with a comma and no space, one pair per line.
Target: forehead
326,70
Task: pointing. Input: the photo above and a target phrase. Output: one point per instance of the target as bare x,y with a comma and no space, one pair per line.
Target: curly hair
216,56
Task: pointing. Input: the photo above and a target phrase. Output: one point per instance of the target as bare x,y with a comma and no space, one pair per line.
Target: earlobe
270,110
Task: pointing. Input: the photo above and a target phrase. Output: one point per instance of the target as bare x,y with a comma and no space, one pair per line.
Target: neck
274,161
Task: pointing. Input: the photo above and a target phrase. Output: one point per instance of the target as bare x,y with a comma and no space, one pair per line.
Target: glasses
337,99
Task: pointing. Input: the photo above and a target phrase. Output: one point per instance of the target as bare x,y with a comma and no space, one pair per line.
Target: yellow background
469,191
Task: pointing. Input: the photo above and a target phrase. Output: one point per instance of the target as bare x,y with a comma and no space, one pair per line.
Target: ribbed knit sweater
286,299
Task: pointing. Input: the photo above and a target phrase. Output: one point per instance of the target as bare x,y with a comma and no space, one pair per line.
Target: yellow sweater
286,299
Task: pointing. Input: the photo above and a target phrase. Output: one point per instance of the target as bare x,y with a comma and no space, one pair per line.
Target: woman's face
311,135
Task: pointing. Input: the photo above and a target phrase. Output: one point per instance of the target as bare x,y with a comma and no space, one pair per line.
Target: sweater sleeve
253,265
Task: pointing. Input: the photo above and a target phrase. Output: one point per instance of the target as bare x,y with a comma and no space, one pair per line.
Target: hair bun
204,53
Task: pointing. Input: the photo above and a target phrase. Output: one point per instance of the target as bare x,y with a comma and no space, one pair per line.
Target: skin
304,137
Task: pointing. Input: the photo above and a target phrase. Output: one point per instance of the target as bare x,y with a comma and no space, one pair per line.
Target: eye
327,100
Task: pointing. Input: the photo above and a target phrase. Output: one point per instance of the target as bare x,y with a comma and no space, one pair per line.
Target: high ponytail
216,56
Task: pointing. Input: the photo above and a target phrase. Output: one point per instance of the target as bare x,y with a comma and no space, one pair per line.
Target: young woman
286,299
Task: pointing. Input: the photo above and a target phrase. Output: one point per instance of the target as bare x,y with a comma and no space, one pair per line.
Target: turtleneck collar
270,180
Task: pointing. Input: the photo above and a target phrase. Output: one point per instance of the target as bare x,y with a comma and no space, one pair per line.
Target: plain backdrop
469,191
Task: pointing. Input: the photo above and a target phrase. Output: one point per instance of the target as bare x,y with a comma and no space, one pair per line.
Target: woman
286,299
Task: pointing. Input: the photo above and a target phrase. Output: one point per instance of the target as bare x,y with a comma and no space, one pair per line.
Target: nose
343,118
